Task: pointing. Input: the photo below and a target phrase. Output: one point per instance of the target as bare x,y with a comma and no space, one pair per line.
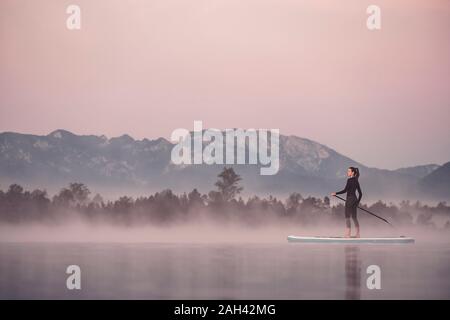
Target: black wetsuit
352,201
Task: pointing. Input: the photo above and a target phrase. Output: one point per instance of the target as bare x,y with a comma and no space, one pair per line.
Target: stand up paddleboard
393,240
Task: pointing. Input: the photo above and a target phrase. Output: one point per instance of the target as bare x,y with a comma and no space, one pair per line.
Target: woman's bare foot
347,233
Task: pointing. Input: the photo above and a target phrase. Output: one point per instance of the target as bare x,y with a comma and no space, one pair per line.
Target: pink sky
309,68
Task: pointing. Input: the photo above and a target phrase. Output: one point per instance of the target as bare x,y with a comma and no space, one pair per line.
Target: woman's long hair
355,171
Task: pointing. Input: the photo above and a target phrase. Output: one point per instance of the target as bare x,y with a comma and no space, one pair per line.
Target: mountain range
123,165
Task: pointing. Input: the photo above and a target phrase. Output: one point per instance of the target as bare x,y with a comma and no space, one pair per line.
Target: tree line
223,204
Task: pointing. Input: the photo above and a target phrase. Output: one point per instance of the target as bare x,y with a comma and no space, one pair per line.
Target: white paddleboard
392,240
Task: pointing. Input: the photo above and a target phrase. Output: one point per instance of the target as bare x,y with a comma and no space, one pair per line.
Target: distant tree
38,195
98,200
166,204
195,199
442,206
228,184
40,199
293,203
215,198
80,192
277,206
326,201
15,192
14,203
255,203
123,205
64,198
76,194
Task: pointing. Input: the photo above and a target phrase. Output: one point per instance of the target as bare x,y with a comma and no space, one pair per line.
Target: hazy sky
309,68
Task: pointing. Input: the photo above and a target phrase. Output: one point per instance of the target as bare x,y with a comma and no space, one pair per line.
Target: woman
351,204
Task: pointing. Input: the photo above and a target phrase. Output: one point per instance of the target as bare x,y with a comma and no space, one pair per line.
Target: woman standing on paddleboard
351,204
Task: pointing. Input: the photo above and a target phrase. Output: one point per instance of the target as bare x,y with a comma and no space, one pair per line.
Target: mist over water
211,260
203,231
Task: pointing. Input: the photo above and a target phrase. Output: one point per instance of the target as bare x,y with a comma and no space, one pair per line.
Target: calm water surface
231,271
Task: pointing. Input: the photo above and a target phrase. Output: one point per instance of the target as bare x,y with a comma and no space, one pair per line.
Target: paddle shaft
367,211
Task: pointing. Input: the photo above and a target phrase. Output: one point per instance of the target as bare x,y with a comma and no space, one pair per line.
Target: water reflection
222,271
352,273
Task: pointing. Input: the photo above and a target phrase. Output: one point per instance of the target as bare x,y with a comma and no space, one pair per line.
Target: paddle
367,211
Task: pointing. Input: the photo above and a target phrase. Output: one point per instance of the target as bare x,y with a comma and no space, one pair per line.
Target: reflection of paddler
352,273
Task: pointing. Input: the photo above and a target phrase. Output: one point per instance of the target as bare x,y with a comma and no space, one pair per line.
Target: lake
224,271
